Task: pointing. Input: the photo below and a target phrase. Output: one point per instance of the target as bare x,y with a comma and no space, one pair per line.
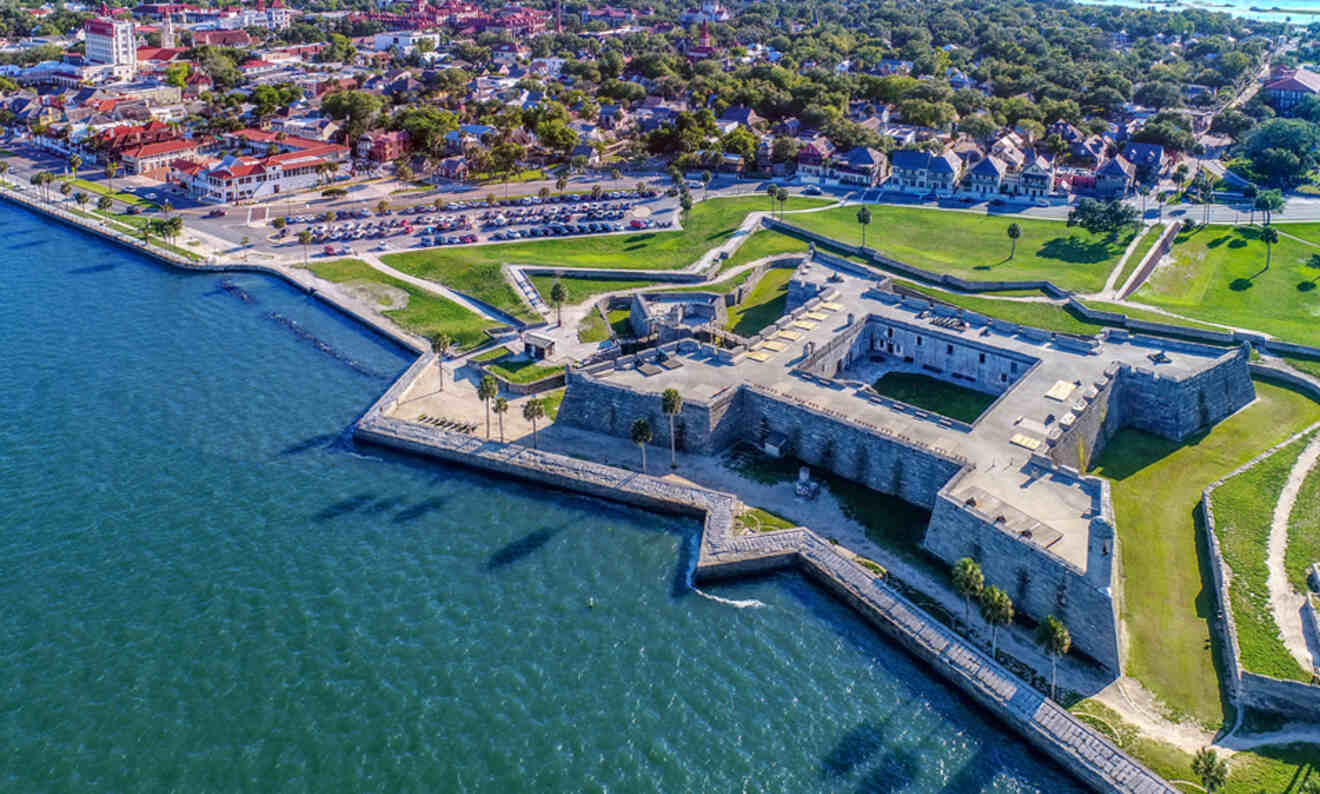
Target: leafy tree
500,408
1269,202
864,220
1284,150
557,297
1159,94
1210,768
997,609
969,581
1099,217
357,110
1014,232
487,390
640,433
382,207
1053,636
533,409
671,402
176,74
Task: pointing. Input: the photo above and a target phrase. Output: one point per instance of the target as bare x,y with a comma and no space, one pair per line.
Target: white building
404,41
110,42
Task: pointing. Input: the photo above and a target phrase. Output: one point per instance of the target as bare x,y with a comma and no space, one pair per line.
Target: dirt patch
383,296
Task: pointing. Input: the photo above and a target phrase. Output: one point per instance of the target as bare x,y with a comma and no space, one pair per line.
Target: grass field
1304,532
1244,508
1166,587
933,394
765,243
619,322
754,519
593,328
1139,253
1217,273
516,369
976,246
763,305
425,314
552,400
101,190
708,224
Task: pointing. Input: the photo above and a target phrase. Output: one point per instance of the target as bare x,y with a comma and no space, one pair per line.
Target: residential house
985,178
813,159
1114,179
917,171
1289,89
381,146
740,116
1148,158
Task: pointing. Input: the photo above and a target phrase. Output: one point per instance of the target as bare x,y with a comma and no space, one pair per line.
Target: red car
329,250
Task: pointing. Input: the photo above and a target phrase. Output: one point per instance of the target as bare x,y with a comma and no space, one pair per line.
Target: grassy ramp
1156,488
1244,509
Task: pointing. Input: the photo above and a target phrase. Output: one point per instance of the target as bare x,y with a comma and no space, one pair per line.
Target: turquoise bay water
207,587
1301,12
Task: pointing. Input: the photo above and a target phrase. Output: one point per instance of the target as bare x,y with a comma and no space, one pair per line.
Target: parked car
216,213
811,190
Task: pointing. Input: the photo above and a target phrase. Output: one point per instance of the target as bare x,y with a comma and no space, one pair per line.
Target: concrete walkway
1286,604
435,288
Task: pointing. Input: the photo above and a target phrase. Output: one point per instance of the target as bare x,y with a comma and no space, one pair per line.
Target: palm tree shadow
521,548
852,750
1242,284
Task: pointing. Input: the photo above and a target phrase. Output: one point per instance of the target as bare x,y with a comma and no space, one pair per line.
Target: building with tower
111,43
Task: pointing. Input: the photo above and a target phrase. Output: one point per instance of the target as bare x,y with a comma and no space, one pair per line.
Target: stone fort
1008,489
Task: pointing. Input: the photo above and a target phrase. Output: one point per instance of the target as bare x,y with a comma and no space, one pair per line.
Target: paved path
1109,290
476,307
1286,604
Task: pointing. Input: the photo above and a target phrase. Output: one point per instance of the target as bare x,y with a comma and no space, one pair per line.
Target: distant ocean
1299,11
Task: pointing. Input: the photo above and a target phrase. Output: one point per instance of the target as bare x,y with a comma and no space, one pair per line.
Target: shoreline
1077,747
1260,11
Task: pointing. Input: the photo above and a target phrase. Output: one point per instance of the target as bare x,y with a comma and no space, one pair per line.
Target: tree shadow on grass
1305,286
1218,241
1241,284
1075,250
722,233
1239,243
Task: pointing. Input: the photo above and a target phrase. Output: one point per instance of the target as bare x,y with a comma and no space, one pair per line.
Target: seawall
1091,757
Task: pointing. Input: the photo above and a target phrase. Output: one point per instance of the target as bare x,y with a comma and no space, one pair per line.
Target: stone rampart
1174,408
1047,726
1292,699
1040,583
1090,422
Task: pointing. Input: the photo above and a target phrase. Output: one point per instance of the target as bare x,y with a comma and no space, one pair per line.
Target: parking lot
468,222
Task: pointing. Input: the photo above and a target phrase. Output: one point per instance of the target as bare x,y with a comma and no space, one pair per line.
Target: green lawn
521,370
933,394
1244,508
708,224
1308,365
481,280
552,400
976,246
1304,532
492,354
1139,253
101,190
1217,273
754,519
1167,602
619,321
1048,316
577,290
763,305
425,314
765,243
593,328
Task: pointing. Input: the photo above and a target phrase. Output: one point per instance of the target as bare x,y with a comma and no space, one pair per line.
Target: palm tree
166,207
111,168
4,168
104,204
305,237
533,410
641,436
557,296
969,581
543,193
671,402
561,183
1053,636
616,174
1212,769
1014,232
706,176
864,220
1269,235
487,389
781,195
66,188
501,408
997,609
81,198
382,206
771,192
74,163
440,345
